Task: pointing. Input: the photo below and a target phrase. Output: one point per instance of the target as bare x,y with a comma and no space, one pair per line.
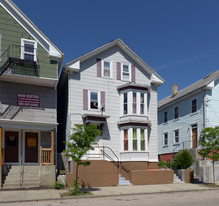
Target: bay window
134,103
135,140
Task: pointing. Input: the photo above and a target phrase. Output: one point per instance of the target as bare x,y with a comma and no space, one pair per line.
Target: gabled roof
205,83
74,66
31,28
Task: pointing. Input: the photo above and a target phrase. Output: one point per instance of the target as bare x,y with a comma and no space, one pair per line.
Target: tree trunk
76,180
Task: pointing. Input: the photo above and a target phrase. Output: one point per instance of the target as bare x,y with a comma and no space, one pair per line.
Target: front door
11,146
31,147
194,136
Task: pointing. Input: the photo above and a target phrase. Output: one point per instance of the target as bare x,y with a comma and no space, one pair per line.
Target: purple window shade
118,66
133,73
98,67
85,99
103,103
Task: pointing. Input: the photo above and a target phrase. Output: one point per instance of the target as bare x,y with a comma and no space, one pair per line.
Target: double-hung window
165,119
28,49
176,112
106,69
165,139
126,145
125,72
176,136
134,140
125,103
142,140
94,100
142,103
194,105
134,103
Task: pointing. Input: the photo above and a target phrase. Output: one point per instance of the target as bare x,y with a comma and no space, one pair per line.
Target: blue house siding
212,106
183,124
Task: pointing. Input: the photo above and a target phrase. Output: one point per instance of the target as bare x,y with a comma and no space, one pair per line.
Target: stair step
30,177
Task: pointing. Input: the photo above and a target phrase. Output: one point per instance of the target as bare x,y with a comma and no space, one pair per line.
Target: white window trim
196,106
165,145
23,41
98,98
129,66
111,69
174,135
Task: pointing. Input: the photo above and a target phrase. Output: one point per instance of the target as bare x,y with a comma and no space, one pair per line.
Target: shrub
59,185
167,164
183,160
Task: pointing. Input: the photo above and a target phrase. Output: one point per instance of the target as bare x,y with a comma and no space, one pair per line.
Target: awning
95,118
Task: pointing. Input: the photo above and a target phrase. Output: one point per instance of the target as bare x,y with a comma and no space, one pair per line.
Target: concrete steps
17,176
123,181
176,179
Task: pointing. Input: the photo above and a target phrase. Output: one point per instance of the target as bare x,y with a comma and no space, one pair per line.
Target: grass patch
73,192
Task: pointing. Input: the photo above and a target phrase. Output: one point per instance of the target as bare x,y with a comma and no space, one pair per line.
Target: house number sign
28,100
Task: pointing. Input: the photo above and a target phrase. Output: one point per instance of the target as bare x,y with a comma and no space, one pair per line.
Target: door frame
19,145
191,127
23,146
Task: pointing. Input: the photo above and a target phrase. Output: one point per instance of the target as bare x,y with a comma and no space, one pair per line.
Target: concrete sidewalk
49,194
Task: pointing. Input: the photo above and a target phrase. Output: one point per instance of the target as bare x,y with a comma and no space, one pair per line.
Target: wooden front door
11,146
31,147
194,136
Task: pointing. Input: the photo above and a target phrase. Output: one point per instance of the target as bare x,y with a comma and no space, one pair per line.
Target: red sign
28,100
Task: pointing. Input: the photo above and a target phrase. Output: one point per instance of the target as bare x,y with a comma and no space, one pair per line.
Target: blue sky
179,39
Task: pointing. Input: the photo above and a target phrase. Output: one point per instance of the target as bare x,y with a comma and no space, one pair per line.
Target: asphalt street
191,198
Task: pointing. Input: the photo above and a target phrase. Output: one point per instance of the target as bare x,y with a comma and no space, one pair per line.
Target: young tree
80,142
210,145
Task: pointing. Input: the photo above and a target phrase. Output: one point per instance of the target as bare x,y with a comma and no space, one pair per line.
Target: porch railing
46,156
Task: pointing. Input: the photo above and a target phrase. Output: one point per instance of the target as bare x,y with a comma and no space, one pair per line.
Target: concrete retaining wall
47,176
206,171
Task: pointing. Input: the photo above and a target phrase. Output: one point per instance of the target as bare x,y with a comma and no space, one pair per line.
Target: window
142,103
135,140
94,103
106,69
28,49
165,117
134,103
176,112
125,72
176,136
126,140
165,139
125,104
142,140
194,105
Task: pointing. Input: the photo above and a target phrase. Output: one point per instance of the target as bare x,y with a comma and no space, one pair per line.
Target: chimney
174,89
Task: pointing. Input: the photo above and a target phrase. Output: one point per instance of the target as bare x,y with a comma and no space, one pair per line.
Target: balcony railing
19,60
46,156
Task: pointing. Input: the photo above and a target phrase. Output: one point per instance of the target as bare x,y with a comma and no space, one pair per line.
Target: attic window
28,49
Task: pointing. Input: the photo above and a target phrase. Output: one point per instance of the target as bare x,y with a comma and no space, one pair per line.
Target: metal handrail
183,143
116,162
